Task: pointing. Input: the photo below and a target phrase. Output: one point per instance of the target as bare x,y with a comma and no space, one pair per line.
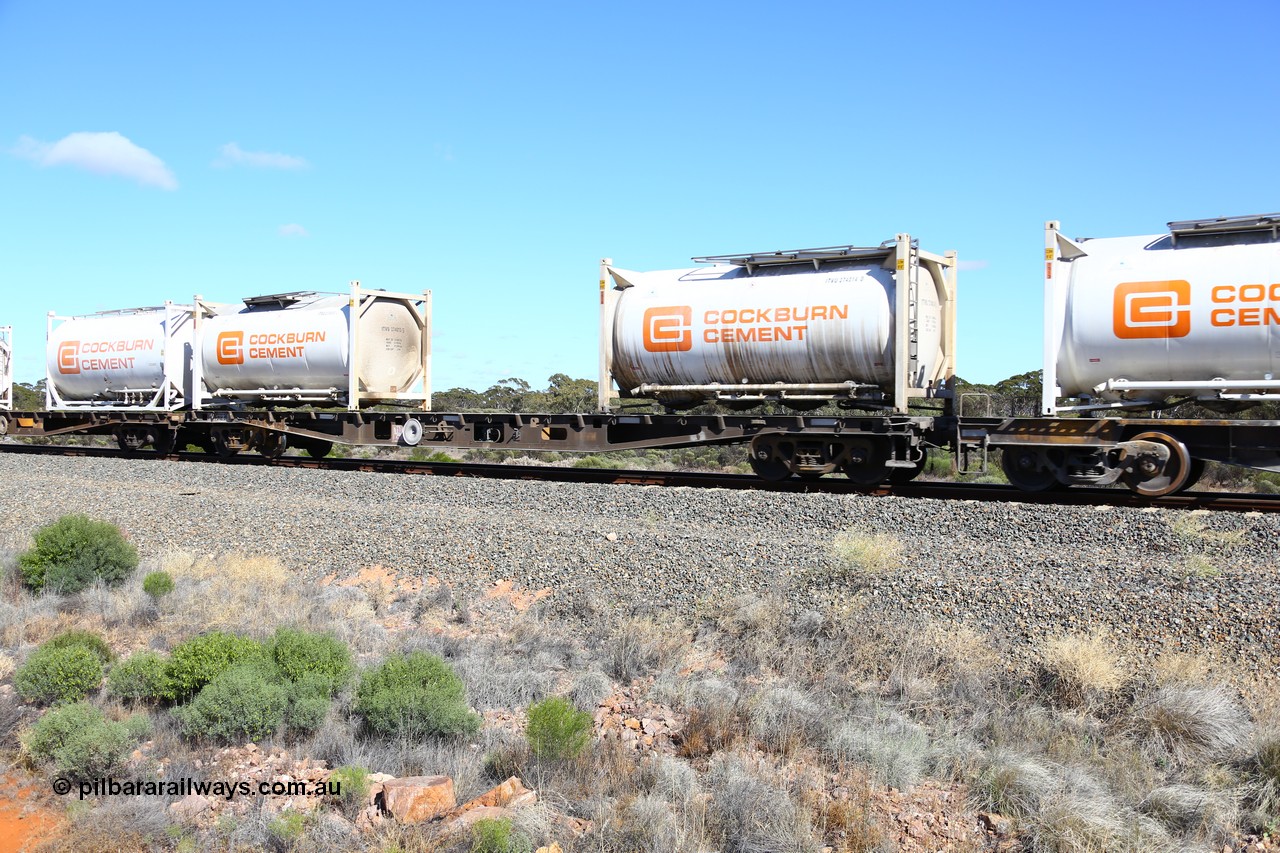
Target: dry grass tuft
248,595
863,554
641,646
1080,671
1191,724
783,719
751,813
1177,668
891,749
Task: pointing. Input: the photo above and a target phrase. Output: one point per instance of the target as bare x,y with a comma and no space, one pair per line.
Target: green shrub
201,659
594,461
83,639
286,829
319,657
496,835
55,675
351,783
73,552
308,701
141,677
79,740
556,729
414,695
421,455
242,702
157,584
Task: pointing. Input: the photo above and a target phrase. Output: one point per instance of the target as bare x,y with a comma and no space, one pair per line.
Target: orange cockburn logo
668,328
231,348
69,357
1152,309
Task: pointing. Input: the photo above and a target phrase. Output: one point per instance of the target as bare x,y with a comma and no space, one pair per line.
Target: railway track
1217,501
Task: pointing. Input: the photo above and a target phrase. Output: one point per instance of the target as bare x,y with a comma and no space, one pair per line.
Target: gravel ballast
1019,571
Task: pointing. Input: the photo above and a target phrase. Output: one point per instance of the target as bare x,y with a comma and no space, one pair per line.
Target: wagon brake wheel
1174,477
765,461
221,446
1022,466
163,441
865,464
273,444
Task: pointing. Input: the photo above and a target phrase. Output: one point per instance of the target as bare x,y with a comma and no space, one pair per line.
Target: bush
73,552
308,702
557,730
55,675
157,585
352,787
201,659
242,702
79,740
141,677
322,659
86,640
496,835
414,695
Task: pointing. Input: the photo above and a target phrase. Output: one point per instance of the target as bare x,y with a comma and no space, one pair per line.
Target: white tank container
1163,316
125,359
792,324
298,348
6,367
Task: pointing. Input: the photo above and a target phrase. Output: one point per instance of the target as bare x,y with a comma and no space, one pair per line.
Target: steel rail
1217,501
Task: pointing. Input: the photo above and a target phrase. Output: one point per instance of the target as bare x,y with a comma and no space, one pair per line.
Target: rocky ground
1167,580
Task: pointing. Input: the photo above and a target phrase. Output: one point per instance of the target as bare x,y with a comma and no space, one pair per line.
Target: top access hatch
1224,230
817,256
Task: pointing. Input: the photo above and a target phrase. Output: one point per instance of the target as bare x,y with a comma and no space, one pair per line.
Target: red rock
511,792
469,818
415,799
189,807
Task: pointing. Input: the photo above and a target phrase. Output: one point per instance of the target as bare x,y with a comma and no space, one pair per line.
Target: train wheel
1197,471
273,444
222,445
865,464
163,441
319,449
767,462
1152,481
1022,466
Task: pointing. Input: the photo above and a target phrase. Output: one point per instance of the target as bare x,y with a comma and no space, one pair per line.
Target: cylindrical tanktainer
1193,313
298,348
6,367
811,330
124,359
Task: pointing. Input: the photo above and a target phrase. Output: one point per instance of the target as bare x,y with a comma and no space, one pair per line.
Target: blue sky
494,152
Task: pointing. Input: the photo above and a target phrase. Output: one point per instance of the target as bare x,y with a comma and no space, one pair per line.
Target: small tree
157,585
557,730
73,552
58,674
416,695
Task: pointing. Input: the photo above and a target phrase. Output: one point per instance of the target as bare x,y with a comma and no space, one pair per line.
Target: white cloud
972,265
232,154
100,153
293,229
